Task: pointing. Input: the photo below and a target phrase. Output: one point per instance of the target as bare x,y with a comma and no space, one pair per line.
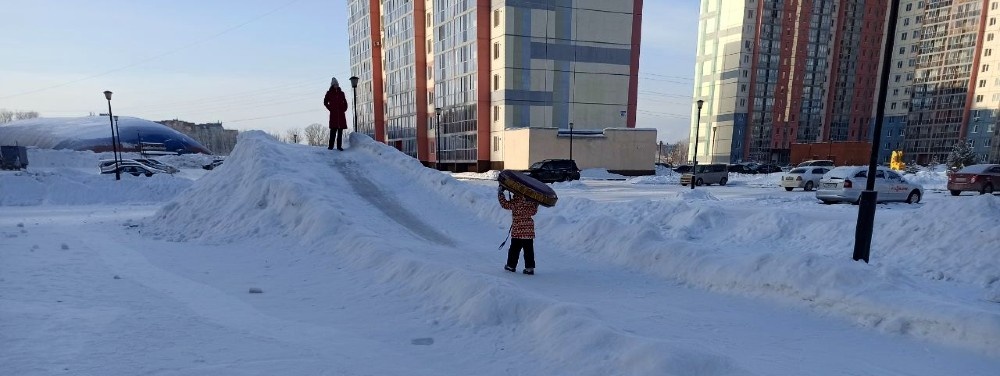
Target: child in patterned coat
522,231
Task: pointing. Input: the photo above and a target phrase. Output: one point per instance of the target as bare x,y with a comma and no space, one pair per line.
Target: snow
369,263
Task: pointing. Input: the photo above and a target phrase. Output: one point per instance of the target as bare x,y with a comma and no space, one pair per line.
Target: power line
143,61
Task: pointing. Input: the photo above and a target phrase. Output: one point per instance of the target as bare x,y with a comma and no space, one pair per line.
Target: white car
806,178
845,183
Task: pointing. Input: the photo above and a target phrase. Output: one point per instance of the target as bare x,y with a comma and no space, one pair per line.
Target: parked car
806,178
845,183
982,178
213,165
682,169
553,170
707,174
107,166
817,162
138,169
741,169
768,168
149,162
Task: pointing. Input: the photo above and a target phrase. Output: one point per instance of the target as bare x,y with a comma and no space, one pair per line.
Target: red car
982,178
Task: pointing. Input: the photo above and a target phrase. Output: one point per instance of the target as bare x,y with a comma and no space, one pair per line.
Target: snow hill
370,263
377,210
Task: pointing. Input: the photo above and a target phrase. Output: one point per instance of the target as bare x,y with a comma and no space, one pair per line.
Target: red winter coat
337,104
522,209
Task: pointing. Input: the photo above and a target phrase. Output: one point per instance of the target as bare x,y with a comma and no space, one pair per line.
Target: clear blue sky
252,64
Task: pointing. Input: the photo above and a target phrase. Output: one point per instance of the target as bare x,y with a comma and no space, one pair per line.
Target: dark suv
553,170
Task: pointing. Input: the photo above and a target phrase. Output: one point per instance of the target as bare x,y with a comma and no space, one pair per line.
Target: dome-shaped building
94,133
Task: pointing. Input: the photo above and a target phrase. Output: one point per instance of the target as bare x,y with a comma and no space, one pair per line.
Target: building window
897,78
989,37
988,52
909,7
982,83
972,143
892,106
906,21
975,128
496,50
496,82
979,98
986,67
496,17
496,114
993,21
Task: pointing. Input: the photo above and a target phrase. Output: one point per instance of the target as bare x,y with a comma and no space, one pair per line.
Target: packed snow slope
934,276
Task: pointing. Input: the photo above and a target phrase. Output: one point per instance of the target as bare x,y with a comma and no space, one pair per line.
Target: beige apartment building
472,85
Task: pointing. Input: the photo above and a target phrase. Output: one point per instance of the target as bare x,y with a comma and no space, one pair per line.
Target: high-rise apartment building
777,72
953,91
478,84
773,73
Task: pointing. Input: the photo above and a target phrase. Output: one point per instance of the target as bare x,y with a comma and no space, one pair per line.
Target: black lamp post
354,104
114,139
866,208
571,141
694,166
437,138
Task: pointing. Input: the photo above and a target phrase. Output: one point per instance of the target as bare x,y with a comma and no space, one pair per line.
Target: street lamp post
437,138
694,165
866,208
114,139
354,103
571,141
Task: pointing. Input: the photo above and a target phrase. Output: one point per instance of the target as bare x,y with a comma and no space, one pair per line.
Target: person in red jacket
522,230
336,103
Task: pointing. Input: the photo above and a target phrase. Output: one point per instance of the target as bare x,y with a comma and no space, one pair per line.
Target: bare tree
6,116
678,152
293,136
23,115
317,134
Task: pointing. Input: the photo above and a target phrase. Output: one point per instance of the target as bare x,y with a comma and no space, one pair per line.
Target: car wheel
149,174
913,198
809,186
987,189
723,181
827,202
789,189
135,174
699,182
955,193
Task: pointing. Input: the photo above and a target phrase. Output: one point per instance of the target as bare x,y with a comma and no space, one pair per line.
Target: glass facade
455,67
399,64
945,64
359,36
765,80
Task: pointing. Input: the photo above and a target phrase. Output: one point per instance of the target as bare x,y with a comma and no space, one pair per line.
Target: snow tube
527,186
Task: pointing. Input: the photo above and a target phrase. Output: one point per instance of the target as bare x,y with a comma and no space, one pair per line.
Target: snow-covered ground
370,264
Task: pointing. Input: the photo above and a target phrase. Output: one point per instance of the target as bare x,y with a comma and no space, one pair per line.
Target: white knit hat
334,83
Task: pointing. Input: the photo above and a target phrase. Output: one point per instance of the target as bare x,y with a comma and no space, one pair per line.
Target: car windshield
536,165
798,171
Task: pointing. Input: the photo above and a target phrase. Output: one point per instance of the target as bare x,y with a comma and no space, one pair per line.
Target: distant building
777,73
221,141
457,83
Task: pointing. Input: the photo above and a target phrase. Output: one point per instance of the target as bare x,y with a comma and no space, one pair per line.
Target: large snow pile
338,202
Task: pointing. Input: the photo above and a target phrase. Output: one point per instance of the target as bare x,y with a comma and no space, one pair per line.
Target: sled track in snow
387,204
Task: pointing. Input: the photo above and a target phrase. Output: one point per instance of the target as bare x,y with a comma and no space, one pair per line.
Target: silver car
844,184
806,178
